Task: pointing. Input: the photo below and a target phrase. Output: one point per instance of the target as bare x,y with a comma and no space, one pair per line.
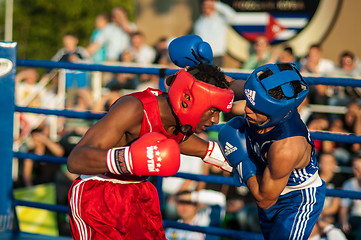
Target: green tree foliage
38,25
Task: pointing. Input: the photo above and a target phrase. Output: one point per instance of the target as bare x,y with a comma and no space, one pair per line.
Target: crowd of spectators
340,163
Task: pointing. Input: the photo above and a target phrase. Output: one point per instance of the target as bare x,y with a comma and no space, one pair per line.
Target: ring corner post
7,108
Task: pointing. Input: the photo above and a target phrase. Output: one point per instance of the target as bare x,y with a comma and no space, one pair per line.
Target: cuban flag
277,27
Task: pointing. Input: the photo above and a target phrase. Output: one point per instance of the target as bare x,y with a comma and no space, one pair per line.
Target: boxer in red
143,134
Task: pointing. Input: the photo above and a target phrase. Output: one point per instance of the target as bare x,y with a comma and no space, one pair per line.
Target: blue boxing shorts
294,215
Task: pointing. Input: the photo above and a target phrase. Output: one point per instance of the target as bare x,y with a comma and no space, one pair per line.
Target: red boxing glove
151,154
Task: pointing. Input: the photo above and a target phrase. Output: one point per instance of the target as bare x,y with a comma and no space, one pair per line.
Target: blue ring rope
46,206
318,135
196,177
92,67
213,230
335,81
343,193
41,158
336,137
62,113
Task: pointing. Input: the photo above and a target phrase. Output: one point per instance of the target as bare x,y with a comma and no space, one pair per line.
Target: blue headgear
260,88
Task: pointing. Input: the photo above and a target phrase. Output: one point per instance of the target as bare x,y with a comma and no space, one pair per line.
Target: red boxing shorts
106,208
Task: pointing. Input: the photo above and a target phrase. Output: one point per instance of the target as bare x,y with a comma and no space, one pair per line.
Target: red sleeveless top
151,117
151,123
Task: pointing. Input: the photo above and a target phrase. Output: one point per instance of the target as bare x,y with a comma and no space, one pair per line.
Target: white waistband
313,181
102,177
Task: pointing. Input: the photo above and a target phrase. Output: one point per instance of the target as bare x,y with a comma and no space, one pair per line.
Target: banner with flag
278,20
276,27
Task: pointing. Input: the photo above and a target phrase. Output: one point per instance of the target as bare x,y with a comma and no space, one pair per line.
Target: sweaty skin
122,124
283,157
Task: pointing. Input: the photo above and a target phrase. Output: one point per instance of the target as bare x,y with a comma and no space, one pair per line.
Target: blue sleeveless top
259,144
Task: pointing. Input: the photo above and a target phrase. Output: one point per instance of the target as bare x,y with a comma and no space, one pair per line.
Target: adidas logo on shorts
251,95
229,148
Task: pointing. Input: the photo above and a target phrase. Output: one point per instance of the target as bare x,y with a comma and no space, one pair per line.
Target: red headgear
202,97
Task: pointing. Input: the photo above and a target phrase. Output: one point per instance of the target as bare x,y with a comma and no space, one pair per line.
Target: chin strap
186,130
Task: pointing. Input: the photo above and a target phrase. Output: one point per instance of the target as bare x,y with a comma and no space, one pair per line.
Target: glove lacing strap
198,58
215,157
118,160
210,148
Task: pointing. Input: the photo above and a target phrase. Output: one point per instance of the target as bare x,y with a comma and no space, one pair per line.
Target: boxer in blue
278,162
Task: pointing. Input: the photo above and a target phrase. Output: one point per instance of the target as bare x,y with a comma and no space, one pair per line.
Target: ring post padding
7,108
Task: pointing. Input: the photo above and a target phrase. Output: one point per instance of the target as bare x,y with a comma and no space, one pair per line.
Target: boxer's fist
190,50
155,154
151,154
233,142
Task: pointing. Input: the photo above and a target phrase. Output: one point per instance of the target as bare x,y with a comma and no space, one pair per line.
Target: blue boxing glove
233,141
190,50
233,144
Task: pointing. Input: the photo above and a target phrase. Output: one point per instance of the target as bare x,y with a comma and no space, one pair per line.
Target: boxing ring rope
312,80
347,138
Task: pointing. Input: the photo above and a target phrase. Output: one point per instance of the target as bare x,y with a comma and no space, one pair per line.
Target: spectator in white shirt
197,208
212,25
142,53
315,63
115,36
324,230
